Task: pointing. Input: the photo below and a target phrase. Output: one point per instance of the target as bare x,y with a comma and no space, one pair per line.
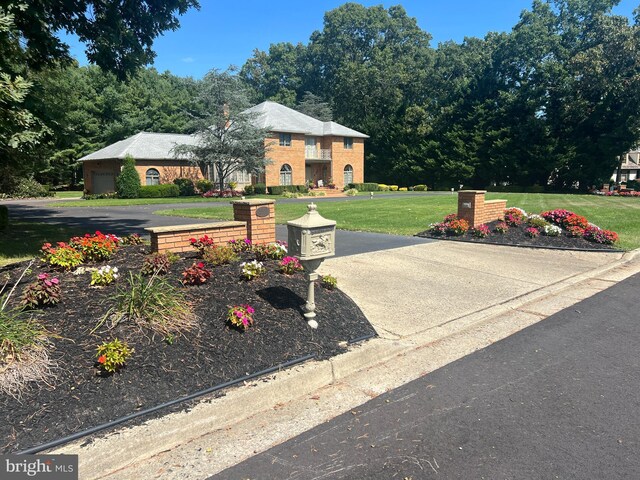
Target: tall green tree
315,107
227,137
118,34
279,75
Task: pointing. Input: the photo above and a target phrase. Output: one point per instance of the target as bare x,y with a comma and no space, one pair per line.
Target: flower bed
552,229
110,360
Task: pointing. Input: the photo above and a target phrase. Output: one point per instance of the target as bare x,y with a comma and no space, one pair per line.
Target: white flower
552,230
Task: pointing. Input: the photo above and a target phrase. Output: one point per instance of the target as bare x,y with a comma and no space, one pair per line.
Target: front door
308,173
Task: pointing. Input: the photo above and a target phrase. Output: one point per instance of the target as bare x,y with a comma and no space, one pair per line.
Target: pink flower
245,322
250,309
42,276
239,314
55,280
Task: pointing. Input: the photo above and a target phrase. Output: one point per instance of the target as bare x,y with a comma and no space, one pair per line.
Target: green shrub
393,188
4,217
260,188
159,191
280,189
403,189
113,355
329,282
128,182
204,185
537,222
633,185
420,188
352,192
291,194
220,255
516,189
364,187
29,188
249,190
277,189
186,187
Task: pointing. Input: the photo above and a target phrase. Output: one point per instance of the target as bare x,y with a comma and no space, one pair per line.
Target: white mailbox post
312,238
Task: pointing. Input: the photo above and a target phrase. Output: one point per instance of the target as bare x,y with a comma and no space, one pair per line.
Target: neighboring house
630,167
302,149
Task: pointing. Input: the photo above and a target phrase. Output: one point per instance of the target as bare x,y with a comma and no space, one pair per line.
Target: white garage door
103,182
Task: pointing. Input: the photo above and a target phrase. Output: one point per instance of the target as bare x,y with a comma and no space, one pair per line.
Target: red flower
102,359
201,265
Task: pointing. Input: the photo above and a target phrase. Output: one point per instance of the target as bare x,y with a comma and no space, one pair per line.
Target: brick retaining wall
176,238
253,219
473,207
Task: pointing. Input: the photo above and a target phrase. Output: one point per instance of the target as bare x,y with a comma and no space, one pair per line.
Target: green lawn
74,194
22,240
410,215
124,202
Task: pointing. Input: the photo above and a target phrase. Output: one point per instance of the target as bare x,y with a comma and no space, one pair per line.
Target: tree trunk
619,171
220,175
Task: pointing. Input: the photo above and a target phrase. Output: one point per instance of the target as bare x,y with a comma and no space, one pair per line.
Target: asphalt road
134,219
559,399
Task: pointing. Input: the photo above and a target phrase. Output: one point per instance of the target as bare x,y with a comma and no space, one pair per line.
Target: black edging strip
543,247
362,339
118,421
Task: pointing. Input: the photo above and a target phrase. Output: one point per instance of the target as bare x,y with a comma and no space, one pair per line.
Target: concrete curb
115,451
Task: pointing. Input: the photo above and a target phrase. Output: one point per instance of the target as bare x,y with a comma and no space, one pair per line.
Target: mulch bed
516,236
213,353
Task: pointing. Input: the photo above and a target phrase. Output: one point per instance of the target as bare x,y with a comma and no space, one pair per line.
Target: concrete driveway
435,286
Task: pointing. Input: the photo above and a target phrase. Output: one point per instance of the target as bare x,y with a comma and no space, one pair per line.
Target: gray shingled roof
278,118
142,146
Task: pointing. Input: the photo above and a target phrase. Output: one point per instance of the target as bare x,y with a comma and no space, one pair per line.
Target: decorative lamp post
312,238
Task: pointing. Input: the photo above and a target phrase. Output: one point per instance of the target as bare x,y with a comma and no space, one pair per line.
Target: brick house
301,149
304,149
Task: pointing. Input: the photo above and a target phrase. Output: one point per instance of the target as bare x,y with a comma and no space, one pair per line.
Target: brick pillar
471,206
260,218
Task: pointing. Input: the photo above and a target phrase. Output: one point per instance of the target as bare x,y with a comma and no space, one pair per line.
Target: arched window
348,175
153,177
285,175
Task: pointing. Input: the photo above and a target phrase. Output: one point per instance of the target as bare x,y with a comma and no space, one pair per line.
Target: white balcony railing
314,153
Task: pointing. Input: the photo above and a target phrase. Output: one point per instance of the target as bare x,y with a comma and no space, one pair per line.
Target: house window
348,143
285,175
285,139
153,177
348,175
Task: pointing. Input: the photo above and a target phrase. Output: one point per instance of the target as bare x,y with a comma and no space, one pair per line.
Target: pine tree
128,182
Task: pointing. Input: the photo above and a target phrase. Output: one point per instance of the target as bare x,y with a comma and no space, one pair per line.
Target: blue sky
224,33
